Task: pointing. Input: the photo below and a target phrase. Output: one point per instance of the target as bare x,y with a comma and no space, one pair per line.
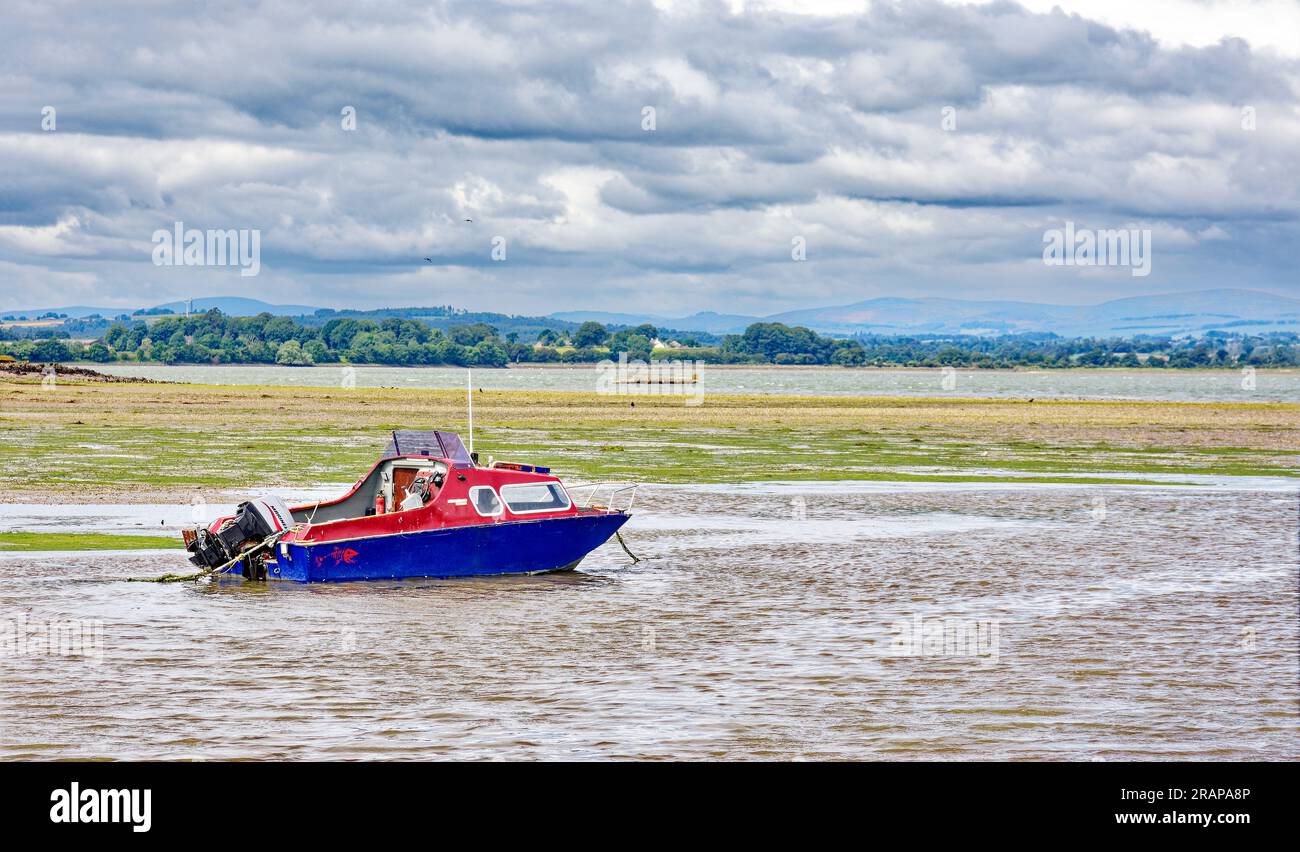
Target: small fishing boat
426,509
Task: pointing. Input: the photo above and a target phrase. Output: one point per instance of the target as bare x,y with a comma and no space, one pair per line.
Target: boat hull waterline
509,547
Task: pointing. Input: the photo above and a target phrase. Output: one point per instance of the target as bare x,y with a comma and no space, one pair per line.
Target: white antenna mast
469,392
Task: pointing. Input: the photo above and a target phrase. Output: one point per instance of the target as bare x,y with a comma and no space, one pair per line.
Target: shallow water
1179,385
763,622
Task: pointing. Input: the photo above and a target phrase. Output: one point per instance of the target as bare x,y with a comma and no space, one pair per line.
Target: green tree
590,334
338,334
49,350
849,353
99,353
471,335
317,351
280,330
771,339
453,353
488,354
637,346
291,354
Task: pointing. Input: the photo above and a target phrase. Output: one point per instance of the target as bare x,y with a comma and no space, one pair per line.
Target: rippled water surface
1156,384
763,622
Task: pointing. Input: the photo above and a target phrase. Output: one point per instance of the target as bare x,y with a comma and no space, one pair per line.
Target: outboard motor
254,522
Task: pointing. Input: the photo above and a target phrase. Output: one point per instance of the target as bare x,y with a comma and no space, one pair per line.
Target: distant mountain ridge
74,311
235,306
1168,314
1165,314
709,321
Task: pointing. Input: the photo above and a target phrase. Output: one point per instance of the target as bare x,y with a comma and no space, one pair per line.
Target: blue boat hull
510,547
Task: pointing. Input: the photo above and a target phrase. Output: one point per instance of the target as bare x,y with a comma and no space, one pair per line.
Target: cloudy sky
771,121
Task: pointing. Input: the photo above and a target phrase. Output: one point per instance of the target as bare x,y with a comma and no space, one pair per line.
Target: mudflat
127,442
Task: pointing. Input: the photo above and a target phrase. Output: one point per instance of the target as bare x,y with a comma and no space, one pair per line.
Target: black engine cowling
254,522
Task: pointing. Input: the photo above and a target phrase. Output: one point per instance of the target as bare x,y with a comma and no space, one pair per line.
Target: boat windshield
428,442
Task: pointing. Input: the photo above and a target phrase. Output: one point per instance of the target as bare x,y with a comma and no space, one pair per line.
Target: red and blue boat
427,508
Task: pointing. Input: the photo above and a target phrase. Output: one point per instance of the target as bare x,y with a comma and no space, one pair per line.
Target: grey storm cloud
528,119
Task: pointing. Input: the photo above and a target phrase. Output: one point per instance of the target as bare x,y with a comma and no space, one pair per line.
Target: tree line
215,338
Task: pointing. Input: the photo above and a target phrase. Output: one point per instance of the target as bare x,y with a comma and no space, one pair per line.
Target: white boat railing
613,494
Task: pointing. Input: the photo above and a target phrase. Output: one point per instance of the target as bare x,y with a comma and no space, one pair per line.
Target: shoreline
677,399
810,368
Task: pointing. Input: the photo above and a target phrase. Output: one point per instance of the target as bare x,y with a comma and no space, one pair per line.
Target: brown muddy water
764,622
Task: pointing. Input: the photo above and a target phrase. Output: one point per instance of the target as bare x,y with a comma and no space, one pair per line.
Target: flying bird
429,259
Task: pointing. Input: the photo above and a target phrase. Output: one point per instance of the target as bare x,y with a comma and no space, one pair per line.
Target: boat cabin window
528,497
485,500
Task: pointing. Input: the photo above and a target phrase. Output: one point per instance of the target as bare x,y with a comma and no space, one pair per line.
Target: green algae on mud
125,438
22,541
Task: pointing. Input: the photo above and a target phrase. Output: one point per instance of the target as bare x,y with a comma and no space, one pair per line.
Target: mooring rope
268,542
619,536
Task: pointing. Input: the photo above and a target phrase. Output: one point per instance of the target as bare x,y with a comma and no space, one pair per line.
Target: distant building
671,344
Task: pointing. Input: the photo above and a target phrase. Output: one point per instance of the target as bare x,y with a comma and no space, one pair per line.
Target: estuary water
1175,385
777,621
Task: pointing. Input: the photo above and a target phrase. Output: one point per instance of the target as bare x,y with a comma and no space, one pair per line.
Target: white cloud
774,119
1271,24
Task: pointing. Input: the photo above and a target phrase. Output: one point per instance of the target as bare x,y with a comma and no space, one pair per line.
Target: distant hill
1167,314
708,321
236,306
74,311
